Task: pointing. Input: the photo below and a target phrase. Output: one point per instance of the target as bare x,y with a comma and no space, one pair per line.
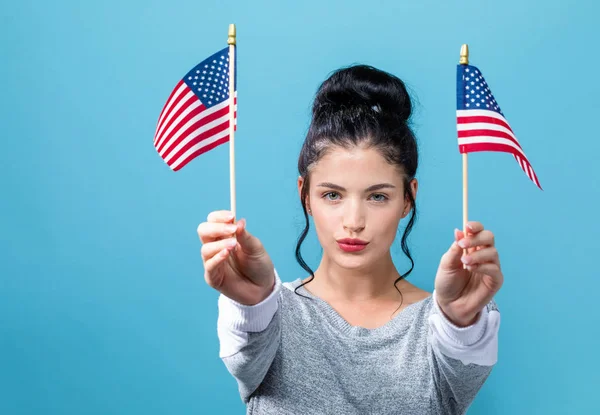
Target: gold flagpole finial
464,55
231,38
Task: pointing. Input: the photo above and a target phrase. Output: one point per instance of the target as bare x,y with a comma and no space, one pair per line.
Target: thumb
248,242
451,259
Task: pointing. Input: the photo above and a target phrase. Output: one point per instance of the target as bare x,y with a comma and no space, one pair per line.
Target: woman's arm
461,358
464,320
249,338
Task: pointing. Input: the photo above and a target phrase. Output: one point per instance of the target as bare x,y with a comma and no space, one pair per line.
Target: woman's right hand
235,262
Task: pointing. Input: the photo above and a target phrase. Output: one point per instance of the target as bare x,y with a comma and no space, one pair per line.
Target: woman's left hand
462,293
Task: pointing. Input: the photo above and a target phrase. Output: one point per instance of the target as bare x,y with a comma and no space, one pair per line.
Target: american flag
480,122
195,118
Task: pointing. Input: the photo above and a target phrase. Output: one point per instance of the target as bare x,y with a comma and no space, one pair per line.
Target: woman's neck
336,283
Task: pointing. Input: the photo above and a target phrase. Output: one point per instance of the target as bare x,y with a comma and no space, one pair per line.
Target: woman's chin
354,262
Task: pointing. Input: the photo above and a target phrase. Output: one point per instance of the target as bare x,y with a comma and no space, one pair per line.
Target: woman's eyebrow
381,186
369,189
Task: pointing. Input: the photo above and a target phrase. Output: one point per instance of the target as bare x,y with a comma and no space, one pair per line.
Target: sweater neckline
400,322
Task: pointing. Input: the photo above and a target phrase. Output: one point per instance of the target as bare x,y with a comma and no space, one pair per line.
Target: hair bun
365,87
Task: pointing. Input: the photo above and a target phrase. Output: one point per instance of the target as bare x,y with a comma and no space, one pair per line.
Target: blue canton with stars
210,79
472,92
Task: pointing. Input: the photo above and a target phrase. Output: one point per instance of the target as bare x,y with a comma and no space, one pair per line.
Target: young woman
355,337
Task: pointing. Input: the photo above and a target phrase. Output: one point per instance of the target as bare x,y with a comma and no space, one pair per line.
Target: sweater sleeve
462,358
249,338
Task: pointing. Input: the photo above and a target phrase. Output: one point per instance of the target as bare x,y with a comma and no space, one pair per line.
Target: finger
213,248
212,231
458,235
483,238
490,268
225,216
482,256
474,227
451,258
214,262
249,243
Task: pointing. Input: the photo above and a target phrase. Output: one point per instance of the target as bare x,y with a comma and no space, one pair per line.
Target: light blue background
103,306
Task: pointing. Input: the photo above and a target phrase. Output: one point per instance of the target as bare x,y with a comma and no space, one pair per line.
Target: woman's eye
332,195
378,197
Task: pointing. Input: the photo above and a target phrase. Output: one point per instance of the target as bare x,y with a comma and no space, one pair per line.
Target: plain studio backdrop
103,305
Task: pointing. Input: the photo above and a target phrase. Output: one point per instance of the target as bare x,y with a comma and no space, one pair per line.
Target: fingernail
463,243
231,228
465,259
231,243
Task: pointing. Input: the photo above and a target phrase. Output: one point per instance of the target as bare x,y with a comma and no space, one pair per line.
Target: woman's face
357,200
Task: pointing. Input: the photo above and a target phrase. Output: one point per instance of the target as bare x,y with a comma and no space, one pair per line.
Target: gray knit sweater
293,355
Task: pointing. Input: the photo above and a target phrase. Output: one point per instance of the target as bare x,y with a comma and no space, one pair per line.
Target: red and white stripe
482,130
186,128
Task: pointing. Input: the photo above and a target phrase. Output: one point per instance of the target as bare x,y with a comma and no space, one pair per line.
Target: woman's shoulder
292,285
299,306
415,294
293,292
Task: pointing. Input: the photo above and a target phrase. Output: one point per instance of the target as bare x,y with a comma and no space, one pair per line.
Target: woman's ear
300,183
307,203
414,186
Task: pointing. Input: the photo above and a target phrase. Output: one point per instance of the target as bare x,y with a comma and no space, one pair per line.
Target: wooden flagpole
464,60
231,41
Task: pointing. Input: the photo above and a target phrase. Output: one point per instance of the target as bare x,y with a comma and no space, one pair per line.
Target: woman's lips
351,244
